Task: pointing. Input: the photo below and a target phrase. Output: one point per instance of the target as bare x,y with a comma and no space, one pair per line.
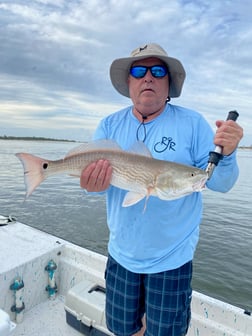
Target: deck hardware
5,220
18,287
97,288
52,286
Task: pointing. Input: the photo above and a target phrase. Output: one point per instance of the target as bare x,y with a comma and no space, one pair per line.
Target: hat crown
119,69
149,50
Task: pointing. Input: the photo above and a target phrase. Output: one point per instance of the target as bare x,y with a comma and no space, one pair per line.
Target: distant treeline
5,137
245,147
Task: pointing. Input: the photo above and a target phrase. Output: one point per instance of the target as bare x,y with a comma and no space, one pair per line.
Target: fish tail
33,171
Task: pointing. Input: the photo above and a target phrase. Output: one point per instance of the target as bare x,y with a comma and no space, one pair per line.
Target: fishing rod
216,155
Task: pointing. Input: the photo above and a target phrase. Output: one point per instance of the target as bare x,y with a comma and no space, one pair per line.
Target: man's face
148,94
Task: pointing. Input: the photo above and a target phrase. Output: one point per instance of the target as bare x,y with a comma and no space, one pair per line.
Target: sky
55,57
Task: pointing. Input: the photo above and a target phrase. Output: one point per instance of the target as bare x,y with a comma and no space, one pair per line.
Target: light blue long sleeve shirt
165,236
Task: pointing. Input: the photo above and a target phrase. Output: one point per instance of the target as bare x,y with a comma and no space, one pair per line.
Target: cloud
55,58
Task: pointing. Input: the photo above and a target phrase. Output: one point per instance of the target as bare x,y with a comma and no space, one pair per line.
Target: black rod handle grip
216,155
233,115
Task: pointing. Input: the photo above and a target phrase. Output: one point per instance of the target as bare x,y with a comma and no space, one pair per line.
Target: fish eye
45,165
192,174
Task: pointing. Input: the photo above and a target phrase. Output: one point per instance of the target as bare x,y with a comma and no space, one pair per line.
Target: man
149,266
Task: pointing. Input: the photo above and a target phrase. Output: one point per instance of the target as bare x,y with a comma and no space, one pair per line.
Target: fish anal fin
132,198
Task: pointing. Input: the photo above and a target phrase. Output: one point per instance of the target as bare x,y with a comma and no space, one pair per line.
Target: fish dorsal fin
140,148
94,145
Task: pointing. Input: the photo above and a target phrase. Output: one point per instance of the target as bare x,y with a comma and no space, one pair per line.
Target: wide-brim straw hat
119,69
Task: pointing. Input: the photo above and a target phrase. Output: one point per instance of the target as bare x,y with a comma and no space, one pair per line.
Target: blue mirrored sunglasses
157,71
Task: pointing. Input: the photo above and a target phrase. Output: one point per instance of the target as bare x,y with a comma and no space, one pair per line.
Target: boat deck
27,252
50,320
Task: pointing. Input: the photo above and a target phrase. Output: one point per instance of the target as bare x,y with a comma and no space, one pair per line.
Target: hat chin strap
144,118
142,124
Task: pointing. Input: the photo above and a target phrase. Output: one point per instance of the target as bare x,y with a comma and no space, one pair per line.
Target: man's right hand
96,176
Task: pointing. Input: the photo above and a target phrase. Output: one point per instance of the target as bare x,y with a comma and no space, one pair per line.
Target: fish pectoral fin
132,198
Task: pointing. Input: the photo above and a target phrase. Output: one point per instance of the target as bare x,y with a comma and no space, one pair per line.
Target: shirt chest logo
165,144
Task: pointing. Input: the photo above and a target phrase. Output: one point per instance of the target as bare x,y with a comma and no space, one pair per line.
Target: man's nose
148,77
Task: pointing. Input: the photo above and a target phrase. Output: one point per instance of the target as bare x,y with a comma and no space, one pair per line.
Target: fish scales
127,168
139,174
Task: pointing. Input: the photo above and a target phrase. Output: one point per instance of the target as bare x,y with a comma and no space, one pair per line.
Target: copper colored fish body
135,171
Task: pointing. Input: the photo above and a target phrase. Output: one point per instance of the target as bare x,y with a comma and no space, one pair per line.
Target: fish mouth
200,185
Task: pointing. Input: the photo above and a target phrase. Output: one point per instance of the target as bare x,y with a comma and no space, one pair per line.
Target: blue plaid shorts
164,297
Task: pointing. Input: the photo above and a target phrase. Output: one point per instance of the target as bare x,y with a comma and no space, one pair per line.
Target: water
222,265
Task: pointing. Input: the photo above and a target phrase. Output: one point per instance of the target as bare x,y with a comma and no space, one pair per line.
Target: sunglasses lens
157,71
138,71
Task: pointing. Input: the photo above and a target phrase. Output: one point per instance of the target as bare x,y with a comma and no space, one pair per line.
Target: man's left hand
228,135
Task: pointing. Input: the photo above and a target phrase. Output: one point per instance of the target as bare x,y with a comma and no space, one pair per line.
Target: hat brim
119,72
